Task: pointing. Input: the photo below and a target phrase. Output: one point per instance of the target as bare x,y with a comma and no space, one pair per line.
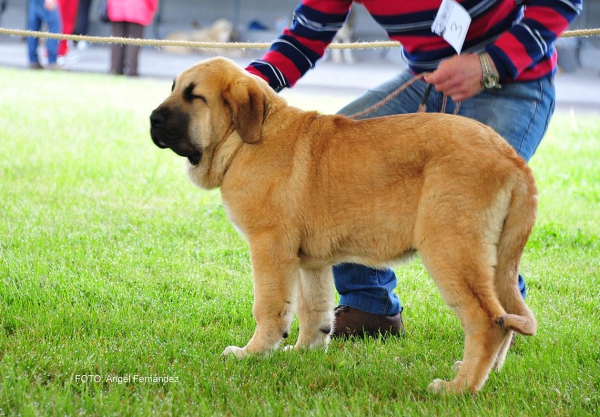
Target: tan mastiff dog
309,191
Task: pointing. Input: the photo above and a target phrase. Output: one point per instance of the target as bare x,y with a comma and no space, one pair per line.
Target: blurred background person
68,15
43,11
82,21
129,18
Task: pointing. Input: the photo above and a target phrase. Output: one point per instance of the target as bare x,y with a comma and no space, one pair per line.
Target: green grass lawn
114,268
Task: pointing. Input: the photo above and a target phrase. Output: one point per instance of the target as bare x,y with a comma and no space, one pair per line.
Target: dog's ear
248,108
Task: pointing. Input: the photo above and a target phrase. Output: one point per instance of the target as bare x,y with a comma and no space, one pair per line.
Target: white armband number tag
452,23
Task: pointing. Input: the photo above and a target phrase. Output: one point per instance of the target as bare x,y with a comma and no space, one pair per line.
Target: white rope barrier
224,45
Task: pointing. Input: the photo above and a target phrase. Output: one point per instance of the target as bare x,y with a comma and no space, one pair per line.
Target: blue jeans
38,15
519,112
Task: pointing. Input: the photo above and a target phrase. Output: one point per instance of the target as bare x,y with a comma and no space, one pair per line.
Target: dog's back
394,168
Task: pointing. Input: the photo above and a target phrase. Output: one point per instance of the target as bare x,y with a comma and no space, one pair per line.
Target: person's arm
529,41
315,23
521,47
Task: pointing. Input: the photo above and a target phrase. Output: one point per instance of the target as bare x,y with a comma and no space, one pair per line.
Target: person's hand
458,77
50,4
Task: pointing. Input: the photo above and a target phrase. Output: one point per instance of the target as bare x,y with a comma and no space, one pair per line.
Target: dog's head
214,107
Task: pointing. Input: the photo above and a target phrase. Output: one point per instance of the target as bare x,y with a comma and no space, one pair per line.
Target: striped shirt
519,35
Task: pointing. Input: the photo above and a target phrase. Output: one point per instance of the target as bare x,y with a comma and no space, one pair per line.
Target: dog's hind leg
315,307
275,294
503,351
515,233
465,280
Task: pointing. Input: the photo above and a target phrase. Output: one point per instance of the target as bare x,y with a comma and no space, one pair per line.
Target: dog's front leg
315,307
275,287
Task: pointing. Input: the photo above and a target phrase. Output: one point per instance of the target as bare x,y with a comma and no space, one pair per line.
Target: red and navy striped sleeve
315,23
526,50
519,35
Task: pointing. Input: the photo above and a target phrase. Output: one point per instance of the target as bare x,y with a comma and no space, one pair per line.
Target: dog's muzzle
169,129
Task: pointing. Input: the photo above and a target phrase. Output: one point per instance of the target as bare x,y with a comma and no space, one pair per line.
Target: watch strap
490,79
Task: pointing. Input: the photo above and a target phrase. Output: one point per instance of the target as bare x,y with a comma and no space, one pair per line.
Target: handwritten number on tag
452,23
456,28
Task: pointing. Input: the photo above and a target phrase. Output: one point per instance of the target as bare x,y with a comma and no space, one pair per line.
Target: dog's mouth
180,147
168,130
187,151
194,158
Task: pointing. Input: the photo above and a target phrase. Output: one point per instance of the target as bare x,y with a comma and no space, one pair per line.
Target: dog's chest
232,218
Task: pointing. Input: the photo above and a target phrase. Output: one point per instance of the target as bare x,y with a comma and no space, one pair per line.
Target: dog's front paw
438,386
238,352
456,386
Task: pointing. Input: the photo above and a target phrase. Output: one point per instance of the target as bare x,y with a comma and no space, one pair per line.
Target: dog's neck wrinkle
217,161
231,155
222,156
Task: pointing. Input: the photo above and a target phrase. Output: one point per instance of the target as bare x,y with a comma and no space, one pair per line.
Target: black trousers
124,58
83,14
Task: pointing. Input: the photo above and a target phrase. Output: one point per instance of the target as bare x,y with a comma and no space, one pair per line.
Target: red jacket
133,11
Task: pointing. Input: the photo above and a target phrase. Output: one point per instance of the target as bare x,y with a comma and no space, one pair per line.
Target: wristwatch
490,79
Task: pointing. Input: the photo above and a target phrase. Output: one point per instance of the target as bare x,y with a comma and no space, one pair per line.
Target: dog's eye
173,86
189,96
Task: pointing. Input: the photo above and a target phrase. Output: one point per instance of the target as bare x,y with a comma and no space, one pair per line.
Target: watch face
490,81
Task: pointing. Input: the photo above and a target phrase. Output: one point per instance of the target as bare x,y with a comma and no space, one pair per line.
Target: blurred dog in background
220,31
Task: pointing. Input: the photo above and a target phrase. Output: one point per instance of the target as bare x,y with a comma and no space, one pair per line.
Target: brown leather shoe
350,321
54,67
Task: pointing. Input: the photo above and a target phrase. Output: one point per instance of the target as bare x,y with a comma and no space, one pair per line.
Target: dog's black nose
157,118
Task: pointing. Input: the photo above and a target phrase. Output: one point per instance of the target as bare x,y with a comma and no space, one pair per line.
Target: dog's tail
515,233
